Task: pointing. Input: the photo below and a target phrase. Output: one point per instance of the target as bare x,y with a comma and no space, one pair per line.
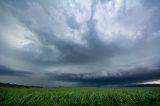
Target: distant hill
134,85
16,85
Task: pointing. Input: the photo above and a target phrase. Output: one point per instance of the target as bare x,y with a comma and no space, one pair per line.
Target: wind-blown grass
79,96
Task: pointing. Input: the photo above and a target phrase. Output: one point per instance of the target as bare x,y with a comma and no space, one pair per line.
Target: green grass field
79,96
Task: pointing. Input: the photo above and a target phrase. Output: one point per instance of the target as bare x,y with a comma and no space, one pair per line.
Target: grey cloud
90,35
153,3
71,52
137,75
72,23
9,72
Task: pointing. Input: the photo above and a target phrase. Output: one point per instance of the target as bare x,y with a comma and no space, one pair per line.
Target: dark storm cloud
5,71
134,76
70,52
73,37
154,3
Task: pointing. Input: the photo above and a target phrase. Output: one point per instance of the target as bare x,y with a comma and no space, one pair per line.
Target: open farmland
80,96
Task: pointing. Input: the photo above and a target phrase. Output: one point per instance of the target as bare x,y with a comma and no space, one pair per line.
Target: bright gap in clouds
152,82
75,42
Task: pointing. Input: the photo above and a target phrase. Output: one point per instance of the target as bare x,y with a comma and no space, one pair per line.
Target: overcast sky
79,42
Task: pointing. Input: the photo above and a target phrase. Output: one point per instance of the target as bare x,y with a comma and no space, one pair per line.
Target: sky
79,42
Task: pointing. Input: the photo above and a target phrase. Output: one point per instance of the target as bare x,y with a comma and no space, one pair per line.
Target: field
80,96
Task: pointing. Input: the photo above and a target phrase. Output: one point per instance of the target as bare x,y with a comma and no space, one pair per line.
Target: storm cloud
125,78
116,41
5,71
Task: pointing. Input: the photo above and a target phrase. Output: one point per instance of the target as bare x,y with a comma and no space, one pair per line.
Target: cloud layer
116,41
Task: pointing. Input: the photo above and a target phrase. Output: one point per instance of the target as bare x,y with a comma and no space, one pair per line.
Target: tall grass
79,96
